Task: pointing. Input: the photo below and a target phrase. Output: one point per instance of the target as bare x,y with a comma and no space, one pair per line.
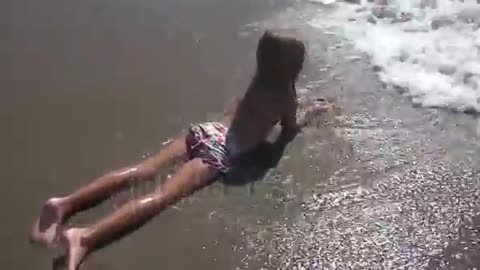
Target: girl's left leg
58,209
79,242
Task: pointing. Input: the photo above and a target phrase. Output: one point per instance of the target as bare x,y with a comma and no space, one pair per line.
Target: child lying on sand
212,149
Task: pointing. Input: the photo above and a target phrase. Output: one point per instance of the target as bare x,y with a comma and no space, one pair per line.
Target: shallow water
91,86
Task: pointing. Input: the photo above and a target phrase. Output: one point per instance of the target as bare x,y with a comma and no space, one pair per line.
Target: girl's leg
56,210
79,242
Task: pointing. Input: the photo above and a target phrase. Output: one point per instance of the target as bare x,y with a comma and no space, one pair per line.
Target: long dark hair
279,58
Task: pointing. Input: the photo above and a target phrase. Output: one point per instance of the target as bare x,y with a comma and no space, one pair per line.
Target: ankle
85,237
63,205
76,236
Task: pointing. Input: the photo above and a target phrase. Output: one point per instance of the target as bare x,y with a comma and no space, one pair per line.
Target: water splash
430,50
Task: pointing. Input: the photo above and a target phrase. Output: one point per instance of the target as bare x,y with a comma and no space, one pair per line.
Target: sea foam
428,49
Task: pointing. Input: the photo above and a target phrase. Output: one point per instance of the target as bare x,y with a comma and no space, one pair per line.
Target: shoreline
403,167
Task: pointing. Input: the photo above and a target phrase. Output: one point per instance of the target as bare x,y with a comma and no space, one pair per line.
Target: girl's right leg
57,210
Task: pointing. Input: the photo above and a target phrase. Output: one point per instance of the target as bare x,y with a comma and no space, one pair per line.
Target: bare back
258,112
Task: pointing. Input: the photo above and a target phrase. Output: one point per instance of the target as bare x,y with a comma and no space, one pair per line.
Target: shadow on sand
253,166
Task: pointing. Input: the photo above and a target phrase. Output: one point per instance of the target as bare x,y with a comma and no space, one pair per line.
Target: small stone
361,9
441,21
383,13
447,69
404,17
371,19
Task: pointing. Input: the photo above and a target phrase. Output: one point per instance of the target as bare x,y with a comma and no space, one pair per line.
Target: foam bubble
325,2
431,49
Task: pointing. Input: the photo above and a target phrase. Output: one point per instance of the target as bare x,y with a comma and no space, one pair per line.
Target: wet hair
279,55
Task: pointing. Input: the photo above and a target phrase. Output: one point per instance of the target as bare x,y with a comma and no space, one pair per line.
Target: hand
319,107
288,134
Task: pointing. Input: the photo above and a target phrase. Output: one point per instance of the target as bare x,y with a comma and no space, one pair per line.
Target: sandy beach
87,87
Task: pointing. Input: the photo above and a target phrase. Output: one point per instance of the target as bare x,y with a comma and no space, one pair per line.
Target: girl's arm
291,124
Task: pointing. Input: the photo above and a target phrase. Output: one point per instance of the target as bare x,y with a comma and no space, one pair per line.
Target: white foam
438,67
325,2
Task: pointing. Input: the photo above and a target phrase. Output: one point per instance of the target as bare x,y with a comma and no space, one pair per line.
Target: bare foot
47,226
75,252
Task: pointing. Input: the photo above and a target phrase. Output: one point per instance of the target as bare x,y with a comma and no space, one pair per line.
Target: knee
136,172
145,171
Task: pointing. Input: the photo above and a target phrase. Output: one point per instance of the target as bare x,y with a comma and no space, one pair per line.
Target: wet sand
404,191
92,86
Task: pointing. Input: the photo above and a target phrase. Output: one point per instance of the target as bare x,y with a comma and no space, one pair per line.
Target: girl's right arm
292,125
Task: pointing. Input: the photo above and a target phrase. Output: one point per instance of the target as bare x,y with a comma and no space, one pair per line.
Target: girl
212,149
